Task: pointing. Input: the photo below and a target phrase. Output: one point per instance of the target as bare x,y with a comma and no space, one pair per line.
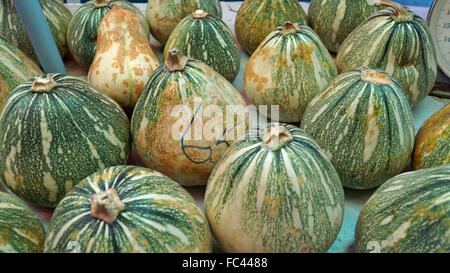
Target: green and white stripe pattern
11,26
266,195
409,213
156,215
83,28
289,68
15,68
52,140
364,123
401,45
207,38
20,229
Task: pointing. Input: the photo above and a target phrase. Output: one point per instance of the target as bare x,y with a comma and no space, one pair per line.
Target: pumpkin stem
199,14
275,138
288,26
175,61
101,3
375,77
43,85
400,12
106,205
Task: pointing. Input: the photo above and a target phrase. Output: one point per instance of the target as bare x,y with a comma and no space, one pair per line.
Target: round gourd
207,38
21,231
83,28
183,99
12,28
432,147
396,41
409,213
126,209
363,122
258,18
163,16
289,68
56,130
334,20
275,191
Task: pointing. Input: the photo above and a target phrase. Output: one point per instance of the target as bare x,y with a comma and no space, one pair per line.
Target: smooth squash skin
21,231
258,18
125,209
289,68
180,126
12,28
410,213
56,130
124,60
432,147
163,16
207,38
334,20
396,41
364,123
275,191
83,27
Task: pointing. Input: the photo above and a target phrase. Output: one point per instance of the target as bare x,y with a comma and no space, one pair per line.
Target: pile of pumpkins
65,142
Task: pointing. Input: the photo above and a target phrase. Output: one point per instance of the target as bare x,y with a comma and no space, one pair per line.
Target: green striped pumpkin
334,20
21,231
207,38
83,28
398,42
432,147
409,213
55,131
364,123
12,28
163,16
275,191
126,209
289,68
258,18
3,186
15,68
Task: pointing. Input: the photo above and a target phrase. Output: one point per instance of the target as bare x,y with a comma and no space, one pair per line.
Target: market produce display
289,68
11,26
364,124
83,27
275,191
56,130
21,230
163,16
124,60
432,148
207,38
409,213
128,209
398,42
258,18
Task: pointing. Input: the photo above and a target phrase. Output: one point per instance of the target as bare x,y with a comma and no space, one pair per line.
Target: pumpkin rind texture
364,123
334,20
410,213
163,16
289,68
401,46
12,28
53,139
124,60
21,231
15,68
83,27
158,216
182,95
258,18
432,147
283,196
207,38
